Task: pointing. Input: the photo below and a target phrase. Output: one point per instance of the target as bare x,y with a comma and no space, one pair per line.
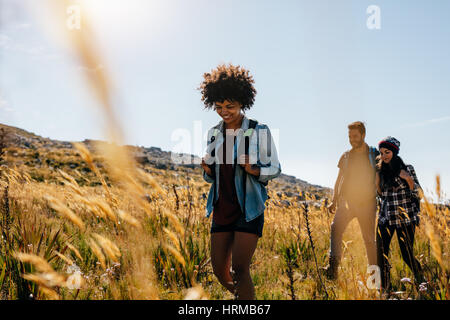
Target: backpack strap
213,138
247,134
373,153
214,135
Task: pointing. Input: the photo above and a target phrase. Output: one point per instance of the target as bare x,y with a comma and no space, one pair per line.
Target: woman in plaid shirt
397,186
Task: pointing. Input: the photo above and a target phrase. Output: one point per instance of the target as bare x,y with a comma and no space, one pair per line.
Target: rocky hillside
42,156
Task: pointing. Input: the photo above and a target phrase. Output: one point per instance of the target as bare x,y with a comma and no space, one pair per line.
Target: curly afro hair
228,83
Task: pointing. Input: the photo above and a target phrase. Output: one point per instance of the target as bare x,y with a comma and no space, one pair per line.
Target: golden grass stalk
438,187
36,279
73,187
429,208
89,205
51,294
176,254
68,177
97,252
87,157
61,208
14,174
74,250
122,169
173,237
85,154
27,177
128,218
70,182
11,179
111,250
64,258
174,221
104,208
150,181
39,263
119,161
48,279
434,241
142,280
403,212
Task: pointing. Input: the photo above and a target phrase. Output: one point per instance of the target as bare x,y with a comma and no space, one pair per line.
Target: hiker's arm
268,164
336,191
412,172
208,178
410,176
337,186
377,182
208,174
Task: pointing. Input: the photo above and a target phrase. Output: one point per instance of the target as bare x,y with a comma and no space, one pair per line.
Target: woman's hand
406,176
244,162
205,166
332,206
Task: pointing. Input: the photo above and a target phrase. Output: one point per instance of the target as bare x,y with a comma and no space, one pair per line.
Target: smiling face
356,138
386,155
229,111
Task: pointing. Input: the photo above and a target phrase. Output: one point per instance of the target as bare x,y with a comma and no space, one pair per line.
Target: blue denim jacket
259,155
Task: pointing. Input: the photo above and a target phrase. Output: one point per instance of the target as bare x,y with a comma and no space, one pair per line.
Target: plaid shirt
399,204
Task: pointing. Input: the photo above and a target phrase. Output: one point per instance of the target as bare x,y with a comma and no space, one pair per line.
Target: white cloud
426,122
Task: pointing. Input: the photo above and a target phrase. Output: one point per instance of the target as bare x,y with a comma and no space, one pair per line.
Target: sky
317,65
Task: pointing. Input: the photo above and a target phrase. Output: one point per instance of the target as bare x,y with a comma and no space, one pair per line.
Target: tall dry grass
123,252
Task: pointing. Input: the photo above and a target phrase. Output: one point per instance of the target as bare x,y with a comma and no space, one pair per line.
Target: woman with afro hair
240,160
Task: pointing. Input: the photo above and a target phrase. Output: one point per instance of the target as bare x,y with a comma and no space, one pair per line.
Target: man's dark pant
366,215
405,237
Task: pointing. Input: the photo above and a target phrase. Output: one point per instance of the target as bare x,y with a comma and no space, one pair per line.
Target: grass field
132,234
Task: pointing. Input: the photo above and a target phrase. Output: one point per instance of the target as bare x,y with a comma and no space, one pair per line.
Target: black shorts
254,226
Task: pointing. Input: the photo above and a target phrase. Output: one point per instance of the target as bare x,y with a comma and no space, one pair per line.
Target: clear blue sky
316,65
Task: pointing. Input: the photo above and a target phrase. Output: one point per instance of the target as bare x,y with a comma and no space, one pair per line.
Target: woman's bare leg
221,244
244,246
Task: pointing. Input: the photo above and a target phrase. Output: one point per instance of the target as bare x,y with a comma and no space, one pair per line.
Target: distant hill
42,156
